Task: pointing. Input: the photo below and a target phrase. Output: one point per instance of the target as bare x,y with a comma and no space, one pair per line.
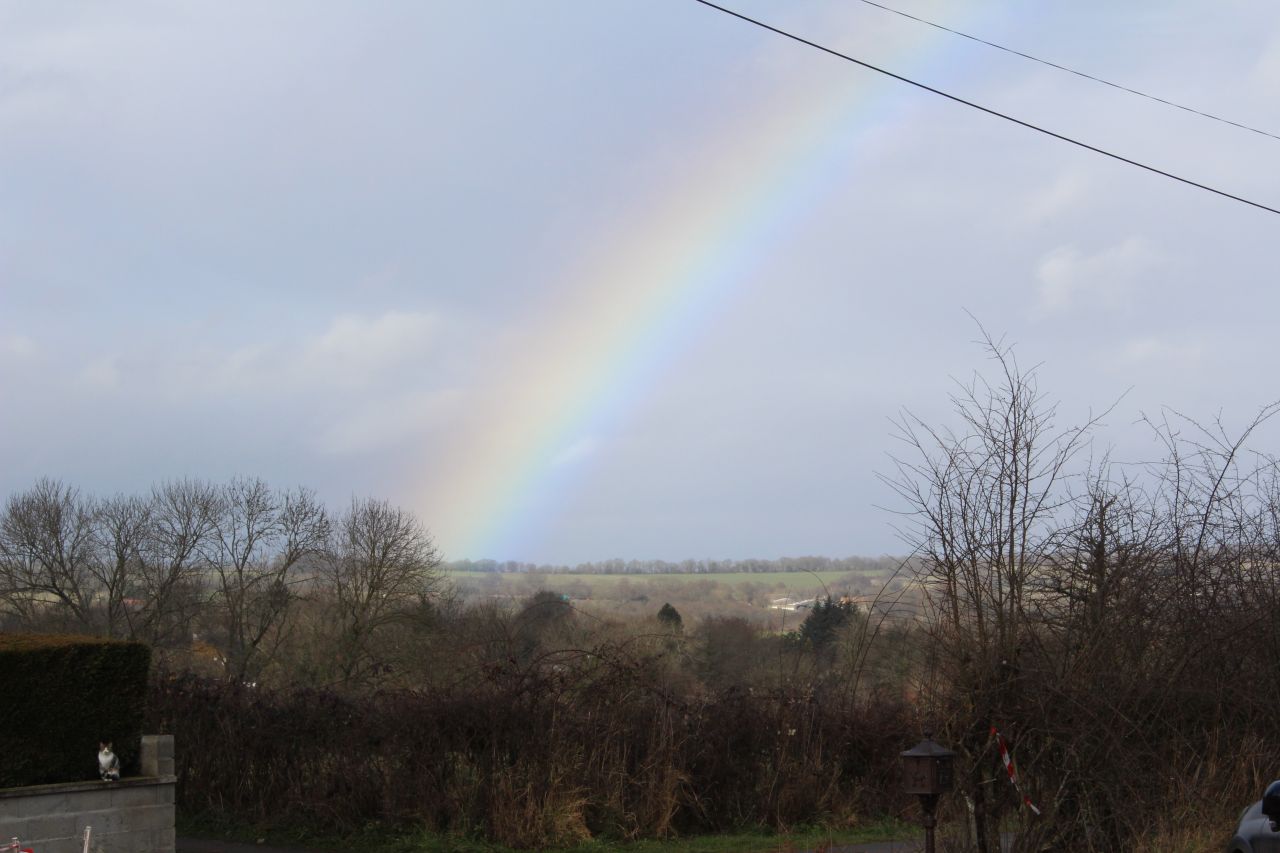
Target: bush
64,694
532,759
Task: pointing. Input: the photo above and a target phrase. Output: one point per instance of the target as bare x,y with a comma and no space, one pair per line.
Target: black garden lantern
927,771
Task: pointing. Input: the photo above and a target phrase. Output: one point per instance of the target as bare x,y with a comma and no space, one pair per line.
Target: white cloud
354,351
1065,192
388,421
1070,278
354,347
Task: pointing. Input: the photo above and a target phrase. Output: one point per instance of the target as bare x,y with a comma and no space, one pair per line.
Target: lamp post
927,772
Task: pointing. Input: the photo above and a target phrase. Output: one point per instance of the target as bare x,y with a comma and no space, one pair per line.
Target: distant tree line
855,565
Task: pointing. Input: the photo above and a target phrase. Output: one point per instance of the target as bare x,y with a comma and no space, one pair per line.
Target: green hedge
61,695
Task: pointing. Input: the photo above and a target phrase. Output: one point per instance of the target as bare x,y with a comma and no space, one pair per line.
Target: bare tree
381,568
183,519
46,553
122,530
257,544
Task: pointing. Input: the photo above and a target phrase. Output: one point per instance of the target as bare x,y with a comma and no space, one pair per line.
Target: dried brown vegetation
533,755
1117,622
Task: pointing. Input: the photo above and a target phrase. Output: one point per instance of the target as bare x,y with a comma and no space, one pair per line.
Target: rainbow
625,313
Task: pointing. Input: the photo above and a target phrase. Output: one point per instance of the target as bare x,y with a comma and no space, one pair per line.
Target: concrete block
151,817
156,754
104,822
121,842
11,826
95,799
165,794
51,826
60,845
56,845
164,840
127,798
36,805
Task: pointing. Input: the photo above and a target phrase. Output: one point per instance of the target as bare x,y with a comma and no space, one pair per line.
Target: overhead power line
988,110
1092,77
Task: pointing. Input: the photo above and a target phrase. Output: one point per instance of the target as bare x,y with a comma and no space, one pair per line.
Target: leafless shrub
585,742
1115,622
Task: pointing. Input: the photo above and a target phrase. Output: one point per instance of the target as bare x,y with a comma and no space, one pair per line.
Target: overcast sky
578,279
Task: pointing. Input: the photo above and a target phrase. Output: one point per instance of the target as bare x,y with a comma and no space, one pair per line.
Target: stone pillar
157,755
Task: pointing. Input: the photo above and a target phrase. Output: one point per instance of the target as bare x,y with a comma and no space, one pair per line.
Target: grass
384,840
795,581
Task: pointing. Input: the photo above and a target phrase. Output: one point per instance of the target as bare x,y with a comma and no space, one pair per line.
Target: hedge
62,695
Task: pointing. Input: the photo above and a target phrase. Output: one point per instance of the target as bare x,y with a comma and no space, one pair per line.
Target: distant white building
791,604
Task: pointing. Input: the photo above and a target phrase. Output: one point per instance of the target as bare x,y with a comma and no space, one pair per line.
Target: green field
792,581
712,593
750,595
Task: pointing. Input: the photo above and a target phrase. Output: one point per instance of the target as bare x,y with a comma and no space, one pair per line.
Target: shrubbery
63,694
535,756
1116,621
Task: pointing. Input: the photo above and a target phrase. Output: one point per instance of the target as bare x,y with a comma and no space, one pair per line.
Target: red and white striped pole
1008,767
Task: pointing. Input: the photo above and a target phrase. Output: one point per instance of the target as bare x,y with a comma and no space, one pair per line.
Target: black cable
988,110
1011,50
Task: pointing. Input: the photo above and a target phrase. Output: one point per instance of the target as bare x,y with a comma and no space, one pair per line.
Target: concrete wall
134,815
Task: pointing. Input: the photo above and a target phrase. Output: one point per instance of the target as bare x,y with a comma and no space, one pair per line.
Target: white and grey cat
108,764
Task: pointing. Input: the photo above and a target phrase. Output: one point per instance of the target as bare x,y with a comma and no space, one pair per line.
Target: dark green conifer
670,618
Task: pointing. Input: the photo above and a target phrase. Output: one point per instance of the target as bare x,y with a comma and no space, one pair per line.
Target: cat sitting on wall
108,764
